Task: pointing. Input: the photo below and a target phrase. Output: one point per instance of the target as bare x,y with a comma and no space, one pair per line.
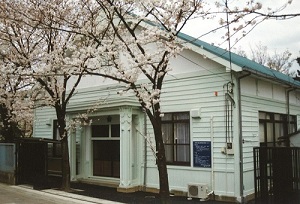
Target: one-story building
217,106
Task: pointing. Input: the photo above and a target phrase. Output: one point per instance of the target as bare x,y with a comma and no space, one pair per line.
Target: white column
87,157
78,139
125,142
72,154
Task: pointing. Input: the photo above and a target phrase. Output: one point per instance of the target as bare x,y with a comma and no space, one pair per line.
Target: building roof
245,63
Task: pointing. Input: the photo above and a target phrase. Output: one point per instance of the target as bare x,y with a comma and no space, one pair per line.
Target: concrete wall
7,163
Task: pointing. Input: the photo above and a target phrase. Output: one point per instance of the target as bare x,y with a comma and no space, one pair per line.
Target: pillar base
128,189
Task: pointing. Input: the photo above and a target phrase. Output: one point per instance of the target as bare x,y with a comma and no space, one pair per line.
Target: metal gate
32,162
277,174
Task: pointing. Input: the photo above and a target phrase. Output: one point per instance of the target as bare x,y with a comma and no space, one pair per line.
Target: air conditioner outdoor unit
197,190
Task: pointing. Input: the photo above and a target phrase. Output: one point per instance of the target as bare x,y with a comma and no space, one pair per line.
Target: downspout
287,143
240,135
145,152
212,155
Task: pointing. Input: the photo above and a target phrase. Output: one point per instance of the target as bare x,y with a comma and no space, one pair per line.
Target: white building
216,111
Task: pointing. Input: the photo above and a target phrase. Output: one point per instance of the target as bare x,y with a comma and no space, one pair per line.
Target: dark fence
277,174
32,163
26,161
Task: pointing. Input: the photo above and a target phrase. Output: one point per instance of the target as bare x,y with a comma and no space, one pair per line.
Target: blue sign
202,154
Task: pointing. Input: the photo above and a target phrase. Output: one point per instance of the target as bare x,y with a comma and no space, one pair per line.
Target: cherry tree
42,48
15,104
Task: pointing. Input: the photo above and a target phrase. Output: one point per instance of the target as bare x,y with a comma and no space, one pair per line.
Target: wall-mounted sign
202,154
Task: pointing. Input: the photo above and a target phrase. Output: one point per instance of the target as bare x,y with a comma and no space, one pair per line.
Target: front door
106,150
106,162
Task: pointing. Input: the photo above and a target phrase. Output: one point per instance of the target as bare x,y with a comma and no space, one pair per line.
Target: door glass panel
106,158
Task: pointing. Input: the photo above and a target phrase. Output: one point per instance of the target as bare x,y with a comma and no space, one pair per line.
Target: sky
277,35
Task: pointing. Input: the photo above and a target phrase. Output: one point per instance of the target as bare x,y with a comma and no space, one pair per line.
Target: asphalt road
22,195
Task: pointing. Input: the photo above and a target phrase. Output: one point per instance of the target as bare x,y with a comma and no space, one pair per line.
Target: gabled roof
244,63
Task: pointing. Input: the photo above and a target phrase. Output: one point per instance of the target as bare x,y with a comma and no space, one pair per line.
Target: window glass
167,116
115,130
292,128
183,153
292,118
262,115
278,130
278,117
261,132
176,137
275,125
182,133
181,116
270,132
100,130
169,152
167,131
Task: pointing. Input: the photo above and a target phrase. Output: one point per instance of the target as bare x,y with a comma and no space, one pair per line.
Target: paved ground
83,194
25,195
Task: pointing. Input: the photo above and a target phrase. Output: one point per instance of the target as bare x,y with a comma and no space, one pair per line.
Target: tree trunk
163,174
61,115
65,165
164,191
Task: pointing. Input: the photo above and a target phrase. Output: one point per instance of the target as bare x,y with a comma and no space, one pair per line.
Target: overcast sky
277,35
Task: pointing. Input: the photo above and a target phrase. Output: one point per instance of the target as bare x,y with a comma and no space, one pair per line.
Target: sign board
202,154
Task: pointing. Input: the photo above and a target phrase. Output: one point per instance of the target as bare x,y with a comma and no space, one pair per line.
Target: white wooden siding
258,95
192,92
43,122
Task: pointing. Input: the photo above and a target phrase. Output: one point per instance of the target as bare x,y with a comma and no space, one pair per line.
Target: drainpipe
288,111
240,135
212,154
145,151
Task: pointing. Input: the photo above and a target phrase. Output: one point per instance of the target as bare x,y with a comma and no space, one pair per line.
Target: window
112,130
176,136
273,126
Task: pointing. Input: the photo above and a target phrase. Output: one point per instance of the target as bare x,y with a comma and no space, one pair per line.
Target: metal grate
277,174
